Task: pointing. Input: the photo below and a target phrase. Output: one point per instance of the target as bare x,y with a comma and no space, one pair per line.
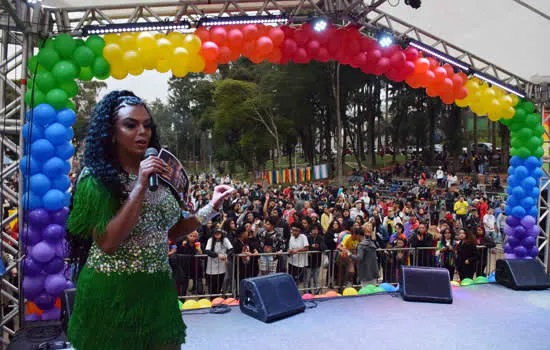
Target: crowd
360,233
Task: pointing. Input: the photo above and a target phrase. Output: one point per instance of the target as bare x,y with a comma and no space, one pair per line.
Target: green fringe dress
126,300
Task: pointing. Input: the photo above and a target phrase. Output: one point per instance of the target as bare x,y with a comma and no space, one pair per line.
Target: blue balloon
516,161
53,200
537,173
69,134
55,133
518,211
531,162
508,210
29,166
528,183
44,114
511,170
528,203
534,211
66,116
535,192
31,201
65,150
40,184
32,133
66,167
53,167
518,192
509,190
61,183
42,150
512,201
521,172
512,180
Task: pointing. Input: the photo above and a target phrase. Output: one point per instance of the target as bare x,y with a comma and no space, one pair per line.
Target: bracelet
205,214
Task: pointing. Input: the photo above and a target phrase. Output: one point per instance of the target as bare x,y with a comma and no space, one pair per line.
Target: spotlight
319,24
440,55
415,4
385,39
135,27
500,84
236,20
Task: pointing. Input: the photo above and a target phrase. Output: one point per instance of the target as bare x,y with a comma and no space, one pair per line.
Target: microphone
153,178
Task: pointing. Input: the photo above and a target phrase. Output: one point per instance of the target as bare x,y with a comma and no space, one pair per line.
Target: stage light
135,27
236,20
33,2
319,25
385,39
501,85
415,4
440,55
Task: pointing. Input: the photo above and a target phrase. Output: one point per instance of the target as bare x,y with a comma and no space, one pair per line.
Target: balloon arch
61,60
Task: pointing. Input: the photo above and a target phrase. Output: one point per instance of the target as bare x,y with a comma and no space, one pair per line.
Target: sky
499,31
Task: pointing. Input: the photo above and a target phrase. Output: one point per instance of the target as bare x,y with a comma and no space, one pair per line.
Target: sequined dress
126,300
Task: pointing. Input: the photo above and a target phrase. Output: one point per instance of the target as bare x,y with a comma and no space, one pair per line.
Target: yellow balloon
179,71
514,98
179,58
494,106
111,38
508,112
204,303
136,71
505,100
176,38
192,43
493,117
462,103
112,53
350,291
145,41
196,64
159,35
489,94
476,97
118,71
128,42
498,91
190,304
164,47
149,58
472,87
163,65
131,60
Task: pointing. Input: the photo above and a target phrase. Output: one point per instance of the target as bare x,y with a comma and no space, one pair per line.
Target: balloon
44,301
528,107
43,252
235,39
250,32
277,36
211,67
533,252
55,265
53,167
101,67
146,40
55,133
520,251
42,150
66,117
38,218
55,284
179,59
307,296
65,45
96,44
60,216
225,55
163,66
45,81
264,46
196,64
518,211
61,183
149,59
218,35
421,65
411,53
39,184
32,133
164,48
192,43
288,47
439,74
86,74
397,59
43,114
349,291
70,87
47,57
84,56
113,53
51,314
64,71
53,199
31,267
32,286
53,233
57,98
34,97
210,51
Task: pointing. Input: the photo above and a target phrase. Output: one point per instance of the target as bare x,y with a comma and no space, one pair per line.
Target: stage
481,317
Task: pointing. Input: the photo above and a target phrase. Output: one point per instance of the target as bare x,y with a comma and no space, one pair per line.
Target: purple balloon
520,251
519,232
535,230
510,256
512,241
54,266
68,273
31,267
39,217
69,285
60,216
33,317
512,220
53,233
51,314
528,221
55,284
508,248
528,242
508,230
61,248
45,301
43,252
32,234
534,252
32,286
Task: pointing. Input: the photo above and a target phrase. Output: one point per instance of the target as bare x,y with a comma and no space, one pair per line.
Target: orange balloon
235,54
203,34
431,91
275,55
450,70
277,36
228,301
225,55
234,303
248,49
331,294
264,46
210,51
256,58
217,301
250,32
235,39
439,74
421,65
427,78
211,67
218,35
433,63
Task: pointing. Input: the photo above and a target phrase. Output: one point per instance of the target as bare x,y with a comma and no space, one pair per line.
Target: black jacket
314,259
466,252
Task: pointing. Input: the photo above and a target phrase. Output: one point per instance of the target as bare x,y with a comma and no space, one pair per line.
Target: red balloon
235,39
366,43
411,53
407,68
262,29
375,55
210,51
300,56
225,55
447,99
433,63
353,33
248,49
323,55
287,30
313,48
301,37
264,46
382,66
277,36
218,35
389,51
431,91
461,93
412,80
307,28
333,46
322,37
203,34
450,70
250,32
397,59
463,76
439,74
446,86
427,78
359,60
235,54
353,47
288,47
256,58
274,56
421,65
211,67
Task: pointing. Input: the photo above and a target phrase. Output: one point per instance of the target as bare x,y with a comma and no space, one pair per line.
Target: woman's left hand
220,194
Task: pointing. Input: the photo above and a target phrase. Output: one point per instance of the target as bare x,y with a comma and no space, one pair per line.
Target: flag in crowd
316,172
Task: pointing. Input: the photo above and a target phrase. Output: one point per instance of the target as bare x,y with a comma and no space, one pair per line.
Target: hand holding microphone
149,168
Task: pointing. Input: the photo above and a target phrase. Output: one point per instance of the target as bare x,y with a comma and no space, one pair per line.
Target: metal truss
544,199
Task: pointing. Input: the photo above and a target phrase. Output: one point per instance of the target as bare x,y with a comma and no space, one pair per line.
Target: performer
126,297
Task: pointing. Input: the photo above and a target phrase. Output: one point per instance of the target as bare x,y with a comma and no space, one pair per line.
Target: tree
85,103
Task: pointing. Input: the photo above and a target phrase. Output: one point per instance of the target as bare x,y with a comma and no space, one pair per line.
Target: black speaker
67,302
269,298
39,335
429,284
521,274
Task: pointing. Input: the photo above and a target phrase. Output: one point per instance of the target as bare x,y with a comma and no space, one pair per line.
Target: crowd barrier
201,276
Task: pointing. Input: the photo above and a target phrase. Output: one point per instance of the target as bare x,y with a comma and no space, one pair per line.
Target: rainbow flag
269,178
308,174
301,175
320,171
294,175
278,176
286,175
368,187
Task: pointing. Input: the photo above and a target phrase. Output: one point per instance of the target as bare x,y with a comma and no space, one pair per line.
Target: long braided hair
101,160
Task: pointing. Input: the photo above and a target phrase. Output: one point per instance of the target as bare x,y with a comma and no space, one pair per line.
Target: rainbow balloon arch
62,60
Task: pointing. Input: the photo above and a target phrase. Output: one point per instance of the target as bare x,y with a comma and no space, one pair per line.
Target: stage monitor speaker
67,302
269,298
428,284
521,274
39,335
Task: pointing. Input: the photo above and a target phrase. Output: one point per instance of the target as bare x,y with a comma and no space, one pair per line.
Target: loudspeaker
521,274
39,335
269,298
429,284
67,302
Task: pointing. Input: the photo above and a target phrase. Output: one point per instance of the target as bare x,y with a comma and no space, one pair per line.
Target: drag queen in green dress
118,233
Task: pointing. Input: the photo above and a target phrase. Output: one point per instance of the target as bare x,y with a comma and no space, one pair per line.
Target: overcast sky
499,31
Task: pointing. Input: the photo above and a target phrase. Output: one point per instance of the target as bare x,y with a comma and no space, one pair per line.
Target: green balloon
539,130
467,282
481,279
523,152
504,121
64,71
37,99
47,43
380,290
516,126
32,64
71,105
539,152
533,143
515,143
101,68
520,115
30,83
79,43
65,45
76,66
532,120
70,87
363,291
48,57
524,134
45,81
57,98
96,44
86,74
84,56
528,106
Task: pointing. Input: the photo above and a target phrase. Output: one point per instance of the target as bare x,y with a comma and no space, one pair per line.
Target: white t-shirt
298,259
489,223
214,266
439,174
